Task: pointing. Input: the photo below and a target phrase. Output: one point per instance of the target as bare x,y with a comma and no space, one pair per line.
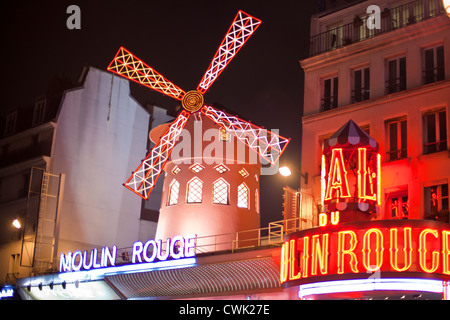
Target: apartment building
386,66
62,164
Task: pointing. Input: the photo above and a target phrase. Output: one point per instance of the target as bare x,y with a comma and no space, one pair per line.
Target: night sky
263,83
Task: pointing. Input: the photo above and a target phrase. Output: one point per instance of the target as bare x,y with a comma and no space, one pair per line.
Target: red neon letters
336,179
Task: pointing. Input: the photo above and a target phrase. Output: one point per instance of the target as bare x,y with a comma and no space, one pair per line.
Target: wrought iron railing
390,19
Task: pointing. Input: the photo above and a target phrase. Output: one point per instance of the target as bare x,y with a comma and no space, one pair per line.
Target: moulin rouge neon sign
151,251
388,246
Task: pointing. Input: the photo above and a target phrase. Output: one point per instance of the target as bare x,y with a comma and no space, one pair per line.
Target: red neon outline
367,249
215,68
156,81
407,249
342,251
335,182
423,251
319,253
445,252
362,177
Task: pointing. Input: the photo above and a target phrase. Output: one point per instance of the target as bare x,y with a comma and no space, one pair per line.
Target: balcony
390,20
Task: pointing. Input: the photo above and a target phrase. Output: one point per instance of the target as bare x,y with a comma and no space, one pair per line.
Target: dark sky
263,83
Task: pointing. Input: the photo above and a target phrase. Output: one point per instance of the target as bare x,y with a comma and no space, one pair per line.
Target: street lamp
285,171
446,4
16,224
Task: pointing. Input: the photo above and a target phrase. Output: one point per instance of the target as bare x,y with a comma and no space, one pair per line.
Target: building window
221,191
330,93
38,112
396,139
436,200
10,125
397,205
243,195
361,85
196,168
435,131
221,168
194,190
243,173
174,190
224,135
396,75
176,170
433,64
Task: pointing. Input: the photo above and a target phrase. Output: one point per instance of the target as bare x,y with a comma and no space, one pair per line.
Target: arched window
194,190
174,189
221,191
243,195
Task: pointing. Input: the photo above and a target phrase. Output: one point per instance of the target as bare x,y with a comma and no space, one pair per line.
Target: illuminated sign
7,292
151,251
360,169
395,246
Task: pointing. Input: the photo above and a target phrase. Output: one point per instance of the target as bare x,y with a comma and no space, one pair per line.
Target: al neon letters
399,246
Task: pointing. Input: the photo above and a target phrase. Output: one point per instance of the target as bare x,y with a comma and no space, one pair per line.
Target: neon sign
149,252
393,246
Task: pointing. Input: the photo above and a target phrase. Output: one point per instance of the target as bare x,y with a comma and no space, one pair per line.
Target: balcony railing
390,19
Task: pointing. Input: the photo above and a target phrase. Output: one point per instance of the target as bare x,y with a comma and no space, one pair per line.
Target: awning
215,278
350,136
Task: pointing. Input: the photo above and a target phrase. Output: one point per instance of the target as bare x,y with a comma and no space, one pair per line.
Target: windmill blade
143,179
129,66
240,31
267,144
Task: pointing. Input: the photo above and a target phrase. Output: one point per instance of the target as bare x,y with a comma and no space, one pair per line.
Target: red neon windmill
267,144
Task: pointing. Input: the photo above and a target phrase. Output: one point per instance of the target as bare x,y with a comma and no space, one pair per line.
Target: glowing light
446,4
285,171
323,219
129,66
334,217
445,252
407,249
293,273
16,223
363,176
319,254
401,284
423,251
242,27
342,251
337,176
367,248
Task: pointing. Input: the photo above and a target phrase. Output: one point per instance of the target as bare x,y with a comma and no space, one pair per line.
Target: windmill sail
144,178
267,144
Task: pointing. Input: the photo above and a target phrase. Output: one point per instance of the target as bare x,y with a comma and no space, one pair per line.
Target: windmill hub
192,101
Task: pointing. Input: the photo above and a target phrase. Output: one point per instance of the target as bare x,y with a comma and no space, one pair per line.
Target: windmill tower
198,198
